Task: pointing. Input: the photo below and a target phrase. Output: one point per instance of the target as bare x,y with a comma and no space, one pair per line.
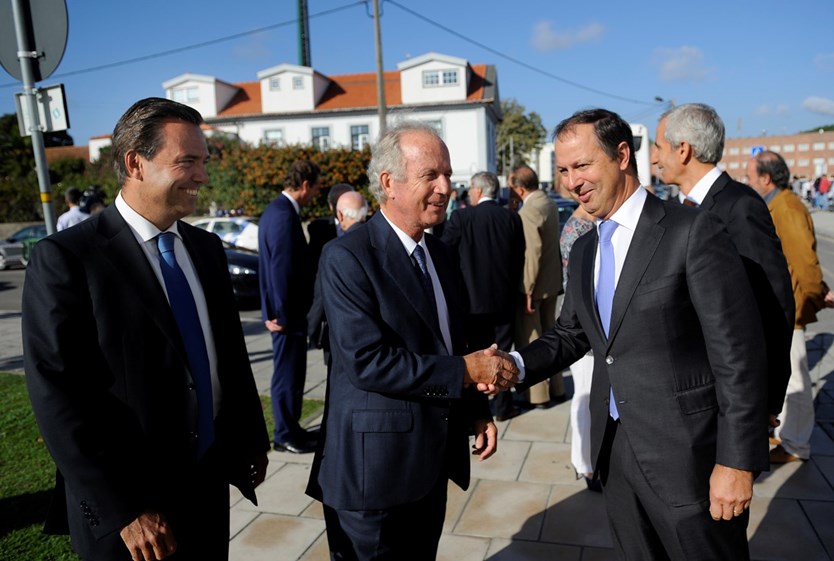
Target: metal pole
25,55
303,35
380,78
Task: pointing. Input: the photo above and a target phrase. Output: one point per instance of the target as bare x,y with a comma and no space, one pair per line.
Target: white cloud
825,62
821,105
545,38
684,63
779,109
256,48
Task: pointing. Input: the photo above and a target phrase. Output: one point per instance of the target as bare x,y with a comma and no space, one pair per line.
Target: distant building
807,154
291,104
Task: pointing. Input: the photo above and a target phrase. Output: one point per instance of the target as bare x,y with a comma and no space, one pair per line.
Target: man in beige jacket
542,278
769,176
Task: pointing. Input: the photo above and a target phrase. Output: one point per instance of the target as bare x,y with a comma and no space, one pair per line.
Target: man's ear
624,155
385,183
134,165
685,152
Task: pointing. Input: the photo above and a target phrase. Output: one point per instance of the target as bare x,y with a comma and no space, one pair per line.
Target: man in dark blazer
326,228
286,282
112,377
689,143
489,241
398,412
678,351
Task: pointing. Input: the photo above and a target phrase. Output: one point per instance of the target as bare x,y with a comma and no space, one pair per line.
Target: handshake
491,370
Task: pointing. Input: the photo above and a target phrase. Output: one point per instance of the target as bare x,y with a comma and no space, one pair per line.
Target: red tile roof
347,91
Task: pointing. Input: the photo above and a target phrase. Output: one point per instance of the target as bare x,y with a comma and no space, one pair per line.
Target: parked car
27,237
239,231
566,207
243,269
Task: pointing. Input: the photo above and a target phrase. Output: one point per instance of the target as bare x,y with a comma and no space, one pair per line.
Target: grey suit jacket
683,355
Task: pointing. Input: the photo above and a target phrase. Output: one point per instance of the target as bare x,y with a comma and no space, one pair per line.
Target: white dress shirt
699,191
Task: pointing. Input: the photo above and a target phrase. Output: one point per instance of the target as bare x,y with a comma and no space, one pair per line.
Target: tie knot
165,242
606,230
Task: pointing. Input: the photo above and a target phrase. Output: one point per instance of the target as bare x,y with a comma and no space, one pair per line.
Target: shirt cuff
519,362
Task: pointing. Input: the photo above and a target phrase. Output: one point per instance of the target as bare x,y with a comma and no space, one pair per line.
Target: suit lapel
646,238
398,265
586,278
715,191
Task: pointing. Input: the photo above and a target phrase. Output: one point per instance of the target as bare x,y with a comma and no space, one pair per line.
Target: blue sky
765,66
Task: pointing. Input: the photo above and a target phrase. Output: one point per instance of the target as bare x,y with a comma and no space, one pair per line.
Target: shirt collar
628,214
138,223
485,199
295,204
408,243
699,191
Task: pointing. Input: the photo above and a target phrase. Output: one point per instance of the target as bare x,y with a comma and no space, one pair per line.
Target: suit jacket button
609,360
191,387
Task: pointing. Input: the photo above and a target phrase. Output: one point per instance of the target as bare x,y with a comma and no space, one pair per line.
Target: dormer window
297,83
186,95
434,78
275,84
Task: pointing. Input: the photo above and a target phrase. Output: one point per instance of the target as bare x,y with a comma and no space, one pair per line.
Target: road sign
756,150
44,27
52,110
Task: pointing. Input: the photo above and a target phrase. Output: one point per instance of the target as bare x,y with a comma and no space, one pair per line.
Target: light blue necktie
605,290
188,322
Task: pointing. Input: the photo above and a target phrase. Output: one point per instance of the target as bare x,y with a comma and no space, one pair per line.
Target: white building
291,104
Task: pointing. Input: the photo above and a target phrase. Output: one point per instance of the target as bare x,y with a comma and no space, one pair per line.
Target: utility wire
515,60
194,46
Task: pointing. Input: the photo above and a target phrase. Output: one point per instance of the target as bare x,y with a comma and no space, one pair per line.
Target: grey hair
487,182
700,126
347,206
387,156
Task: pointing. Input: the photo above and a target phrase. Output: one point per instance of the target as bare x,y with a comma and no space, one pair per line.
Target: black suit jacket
108,378
396,415
683,357
489,240
751,228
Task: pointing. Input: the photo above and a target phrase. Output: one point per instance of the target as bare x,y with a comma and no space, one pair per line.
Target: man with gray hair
489,241
769,176
688,145
401,400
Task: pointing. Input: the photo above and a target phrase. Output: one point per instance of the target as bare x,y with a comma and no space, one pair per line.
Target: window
734,151
830,161
819,145
733,165
790,163
775,148
787,148
432,78
187,95
358,136
803,163
321,137
831,145
275,84
802,147
274,137
297,83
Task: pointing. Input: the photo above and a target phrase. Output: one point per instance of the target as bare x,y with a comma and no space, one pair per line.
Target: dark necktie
188,322
420,257
690,202
605,289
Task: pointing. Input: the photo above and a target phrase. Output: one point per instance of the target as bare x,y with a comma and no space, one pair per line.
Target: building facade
808,155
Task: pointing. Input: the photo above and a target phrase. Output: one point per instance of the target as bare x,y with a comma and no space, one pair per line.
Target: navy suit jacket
108,375
751,228
397,415
683,354
284,269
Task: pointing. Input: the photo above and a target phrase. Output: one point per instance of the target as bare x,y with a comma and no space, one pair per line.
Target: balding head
350,209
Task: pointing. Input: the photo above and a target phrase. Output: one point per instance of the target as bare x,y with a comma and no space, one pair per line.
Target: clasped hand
491,370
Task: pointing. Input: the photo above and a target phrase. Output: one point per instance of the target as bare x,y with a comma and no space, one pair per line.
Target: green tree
525,129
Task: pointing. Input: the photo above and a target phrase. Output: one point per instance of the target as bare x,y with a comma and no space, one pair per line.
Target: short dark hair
337,191
72,195
772,164
524,176
609,128
139,129
299,172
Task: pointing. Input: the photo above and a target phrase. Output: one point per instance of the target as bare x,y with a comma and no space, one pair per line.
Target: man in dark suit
286,281
398,411
326,228
489,241
678,398
689,143
148,421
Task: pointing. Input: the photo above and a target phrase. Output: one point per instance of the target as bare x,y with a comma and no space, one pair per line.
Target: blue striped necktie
188,322
420,257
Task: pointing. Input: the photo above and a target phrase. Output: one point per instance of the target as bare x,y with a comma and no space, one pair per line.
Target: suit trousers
530,327
798,410
582,372
289,357
408,532
644,528
197,513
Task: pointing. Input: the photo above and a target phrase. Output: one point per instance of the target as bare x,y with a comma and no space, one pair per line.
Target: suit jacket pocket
697,399
659,284
382,420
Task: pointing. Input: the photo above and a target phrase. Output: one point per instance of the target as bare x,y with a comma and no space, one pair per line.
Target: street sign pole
26,55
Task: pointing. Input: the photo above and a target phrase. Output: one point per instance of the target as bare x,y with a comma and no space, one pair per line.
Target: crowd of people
141,384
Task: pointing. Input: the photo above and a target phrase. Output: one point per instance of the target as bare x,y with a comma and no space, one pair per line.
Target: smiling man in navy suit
400,403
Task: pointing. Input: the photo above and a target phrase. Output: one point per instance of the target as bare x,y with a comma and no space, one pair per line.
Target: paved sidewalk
525,503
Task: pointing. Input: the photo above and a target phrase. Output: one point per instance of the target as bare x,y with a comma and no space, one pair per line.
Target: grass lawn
27,475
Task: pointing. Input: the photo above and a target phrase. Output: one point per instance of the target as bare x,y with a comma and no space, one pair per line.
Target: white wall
411,83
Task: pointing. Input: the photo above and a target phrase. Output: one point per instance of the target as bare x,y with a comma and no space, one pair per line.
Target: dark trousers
289,358
197,512
482,330
644,528
408,532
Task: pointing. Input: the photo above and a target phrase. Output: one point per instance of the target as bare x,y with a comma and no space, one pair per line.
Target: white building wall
413,91
288,99
204,87
94,145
